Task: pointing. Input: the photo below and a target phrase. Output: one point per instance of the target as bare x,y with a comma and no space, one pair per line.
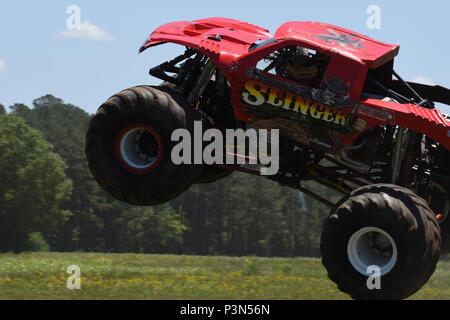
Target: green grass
141,276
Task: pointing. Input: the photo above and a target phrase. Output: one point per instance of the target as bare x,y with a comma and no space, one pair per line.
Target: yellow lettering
254,96
318,112
300,105
328,114
256,93
288,100
312,108
340,118
274,99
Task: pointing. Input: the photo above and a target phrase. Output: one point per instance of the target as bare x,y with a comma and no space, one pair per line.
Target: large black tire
438,203
212,174
208,173
403,216
445,228
150,114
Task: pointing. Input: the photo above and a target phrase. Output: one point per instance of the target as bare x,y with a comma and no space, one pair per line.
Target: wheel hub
138,148
372,246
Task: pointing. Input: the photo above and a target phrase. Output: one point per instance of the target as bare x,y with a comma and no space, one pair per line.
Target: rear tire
445,227
128,146
384,225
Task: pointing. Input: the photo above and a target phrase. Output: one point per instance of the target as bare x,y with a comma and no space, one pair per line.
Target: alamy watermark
374,20
74,280
73,22
374,280
234,144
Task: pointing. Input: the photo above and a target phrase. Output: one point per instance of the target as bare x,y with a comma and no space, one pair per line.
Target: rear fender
430,122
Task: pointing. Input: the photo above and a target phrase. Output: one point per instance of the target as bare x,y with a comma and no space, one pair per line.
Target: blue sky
38,56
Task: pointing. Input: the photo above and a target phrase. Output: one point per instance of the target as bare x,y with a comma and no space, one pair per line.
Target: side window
295,63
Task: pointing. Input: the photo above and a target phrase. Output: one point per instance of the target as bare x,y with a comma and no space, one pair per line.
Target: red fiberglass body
228,43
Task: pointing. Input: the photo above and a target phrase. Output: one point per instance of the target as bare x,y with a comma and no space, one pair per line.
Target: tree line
50,201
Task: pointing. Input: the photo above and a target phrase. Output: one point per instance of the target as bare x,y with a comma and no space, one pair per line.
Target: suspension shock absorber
189,73
202,82
411,154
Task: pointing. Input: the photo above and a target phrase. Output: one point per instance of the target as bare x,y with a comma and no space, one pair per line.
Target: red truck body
227,42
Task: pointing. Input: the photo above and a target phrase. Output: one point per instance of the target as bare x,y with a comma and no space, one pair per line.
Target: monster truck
346,120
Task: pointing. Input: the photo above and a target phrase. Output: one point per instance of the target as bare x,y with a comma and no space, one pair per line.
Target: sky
40,55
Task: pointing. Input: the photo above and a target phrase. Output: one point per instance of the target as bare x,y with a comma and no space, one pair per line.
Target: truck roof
343,41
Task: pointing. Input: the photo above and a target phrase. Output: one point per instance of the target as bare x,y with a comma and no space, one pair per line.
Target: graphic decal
342,39
382,115
298,117
333,91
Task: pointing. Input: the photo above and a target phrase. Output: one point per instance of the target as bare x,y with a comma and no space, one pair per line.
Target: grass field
140,276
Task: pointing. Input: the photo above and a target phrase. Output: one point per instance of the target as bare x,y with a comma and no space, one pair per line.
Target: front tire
383,225
128,146
212,174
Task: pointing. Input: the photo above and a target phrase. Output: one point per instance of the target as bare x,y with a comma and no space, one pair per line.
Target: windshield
257,44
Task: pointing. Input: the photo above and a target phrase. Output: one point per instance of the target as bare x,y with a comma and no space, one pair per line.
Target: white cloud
87,31
2,65
423,80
